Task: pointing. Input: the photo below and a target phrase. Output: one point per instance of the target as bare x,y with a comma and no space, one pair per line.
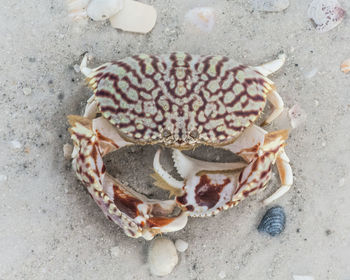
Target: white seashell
181,245
303,277
162,257
345,66
326,14
135,17
271,5
297,116
203,18
104,9
77,8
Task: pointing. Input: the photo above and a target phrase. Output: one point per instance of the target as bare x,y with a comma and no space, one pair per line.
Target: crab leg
272,66
277,102
256,175
137,215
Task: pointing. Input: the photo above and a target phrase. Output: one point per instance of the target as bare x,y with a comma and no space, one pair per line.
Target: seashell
271,5
162,257
273,221
135,17
326,14
77,9
345,66
104,9
297,116
203,18
181,245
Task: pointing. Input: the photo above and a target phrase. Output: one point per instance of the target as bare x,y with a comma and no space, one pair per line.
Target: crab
179,101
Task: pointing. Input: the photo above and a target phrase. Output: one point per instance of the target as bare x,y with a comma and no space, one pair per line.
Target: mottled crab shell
179,100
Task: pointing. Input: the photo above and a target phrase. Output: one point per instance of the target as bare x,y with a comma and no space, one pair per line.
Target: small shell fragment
77,9
273,221
181,245
162,257
27,91
297,116
271,5
202,18
104,9
326,14
135,17
345,66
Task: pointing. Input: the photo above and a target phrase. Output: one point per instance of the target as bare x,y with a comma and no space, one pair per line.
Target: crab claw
137,215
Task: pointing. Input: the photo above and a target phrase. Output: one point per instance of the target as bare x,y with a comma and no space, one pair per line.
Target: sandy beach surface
50,228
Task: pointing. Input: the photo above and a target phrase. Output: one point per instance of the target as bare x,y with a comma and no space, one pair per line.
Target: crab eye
166,133
194,134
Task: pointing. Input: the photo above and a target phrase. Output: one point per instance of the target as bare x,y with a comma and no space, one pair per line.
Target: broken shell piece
104,9
297,116
181,245
135,17
77,9
326,14
203,18
271,5
162,257
345,66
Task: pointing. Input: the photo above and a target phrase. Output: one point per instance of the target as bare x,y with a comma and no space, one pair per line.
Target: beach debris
297,116
104,9
326,14
202,18
345,66
270,5
162,257
27,91
273,221
135,17
16,144
181,245
303,277
67,150
77,9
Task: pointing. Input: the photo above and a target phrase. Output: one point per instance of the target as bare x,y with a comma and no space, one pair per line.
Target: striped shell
179,99
273,221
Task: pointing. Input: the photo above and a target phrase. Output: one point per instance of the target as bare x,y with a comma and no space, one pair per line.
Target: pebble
16,144
27,91
181,245
271,5
67,150
162,257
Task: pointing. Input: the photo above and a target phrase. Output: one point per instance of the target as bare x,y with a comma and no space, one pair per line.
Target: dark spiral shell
273,221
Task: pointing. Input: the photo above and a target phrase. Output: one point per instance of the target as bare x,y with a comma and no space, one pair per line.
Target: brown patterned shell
180,100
